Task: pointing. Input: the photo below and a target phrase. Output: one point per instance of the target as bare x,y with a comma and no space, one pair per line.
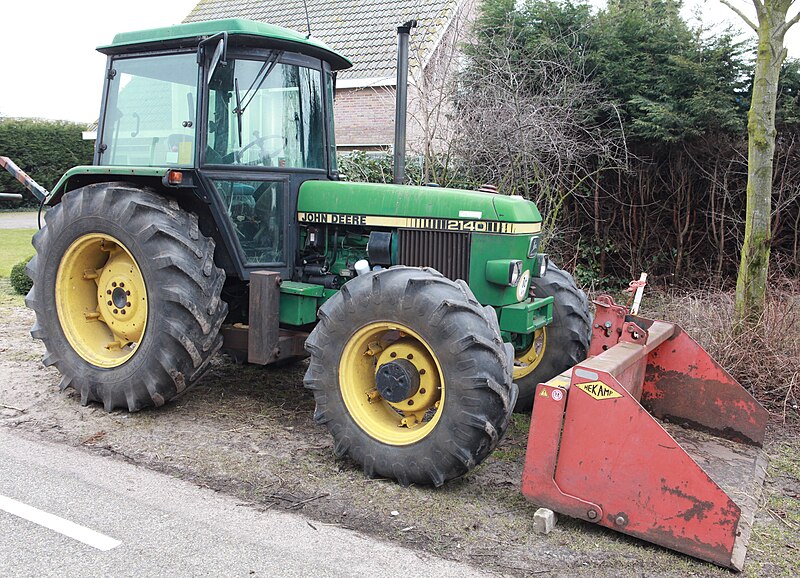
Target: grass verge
15,245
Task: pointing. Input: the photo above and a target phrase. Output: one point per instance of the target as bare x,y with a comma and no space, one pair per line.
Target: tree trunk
752,279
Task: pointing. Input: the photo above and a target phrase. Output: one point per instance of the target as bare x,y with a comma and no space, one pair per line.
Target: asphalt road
26,220
140,523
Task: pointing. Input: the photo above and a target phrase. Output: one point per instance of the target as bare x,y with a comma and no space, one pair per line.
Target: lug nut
116,311
108,291
114,284
128,304
110,303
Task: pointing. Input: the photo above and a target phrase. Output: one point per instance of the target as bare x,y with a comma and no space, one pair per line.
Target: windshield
150,112
267,114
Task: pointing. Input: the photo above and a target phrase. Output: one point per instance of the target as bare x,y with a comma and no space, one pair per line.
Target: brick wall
364,117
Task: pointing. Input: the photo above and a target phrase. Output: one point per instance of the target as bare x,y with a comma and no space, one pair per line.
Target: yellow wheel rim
101,300
399,423
529,359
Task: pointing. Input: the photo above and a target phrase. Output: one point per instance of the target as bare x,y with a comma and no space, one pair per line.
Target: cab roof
240,32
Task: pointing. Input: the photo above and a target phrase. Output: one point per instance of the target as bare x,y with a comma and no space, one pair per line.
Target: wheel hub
120,297
397,380
529,357
391,383
101,300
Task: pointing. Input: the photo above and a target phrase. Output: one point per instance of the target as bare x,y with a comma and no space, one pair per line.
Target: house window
150,113
265,113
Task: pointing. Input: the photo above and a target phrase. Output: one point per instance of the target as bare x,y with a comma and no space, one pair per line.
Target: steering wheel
259,142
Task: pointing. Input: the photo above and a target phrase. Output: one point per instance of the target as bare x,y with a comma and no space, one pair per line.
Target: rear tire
415,320
563,343
96,236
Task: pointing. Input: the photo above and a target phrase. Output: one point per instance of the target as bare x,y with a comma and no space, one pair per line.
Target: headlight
540,264
514,272
533,248
504,271
522,285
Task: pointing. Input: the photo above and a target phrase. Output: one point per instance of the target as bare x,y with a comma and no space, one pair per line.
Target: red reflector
174,177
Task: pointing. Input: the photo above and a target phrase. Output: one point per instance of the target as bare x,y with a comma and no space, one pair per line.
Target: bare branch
784,28
742,15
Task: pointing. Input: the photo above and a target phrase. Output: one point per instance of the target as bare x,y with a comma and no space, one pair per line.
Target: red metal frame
597,454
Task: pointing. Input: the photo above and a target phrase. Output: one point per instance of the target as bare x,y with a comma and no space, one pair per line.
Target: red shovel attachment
597,452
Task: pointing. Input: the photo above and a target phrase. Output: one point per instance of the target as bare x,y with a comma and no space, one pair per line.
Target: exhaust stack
401,103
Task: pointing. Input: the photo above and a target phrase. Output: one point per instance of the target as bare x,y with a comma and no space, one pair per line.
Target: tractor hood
416,207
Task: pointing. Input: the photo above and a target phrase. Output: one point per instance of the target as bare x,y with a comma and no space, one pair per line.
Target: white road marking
60,525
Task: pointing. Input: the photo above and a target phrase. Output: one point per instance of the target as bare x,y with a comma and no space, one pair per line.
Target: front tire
410,375
558,346
126,296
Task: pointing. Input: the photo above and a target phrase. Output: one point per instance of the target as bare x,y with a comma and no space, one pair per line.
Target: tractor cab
240,109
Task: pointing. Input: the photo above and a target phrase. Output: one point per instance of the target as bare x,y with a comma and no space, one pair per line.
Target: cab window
264,113
150,113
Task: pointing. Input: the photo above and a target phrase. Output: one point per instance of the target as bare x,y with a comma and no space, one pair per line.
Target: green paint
498,271
409,201
298,305
234,27
525,318
487,248
299,302
62,185
432,202
302,289
515,209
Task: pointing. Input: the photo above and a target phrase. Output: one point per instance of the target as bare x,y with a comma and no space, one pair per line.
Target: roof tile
362,30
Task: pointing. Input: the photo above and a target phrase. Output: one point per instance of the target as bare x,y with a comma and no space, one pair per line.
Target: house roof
365,31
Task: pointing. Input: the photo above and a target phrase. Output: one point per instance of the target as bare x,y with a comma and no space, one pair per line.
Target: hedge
43,149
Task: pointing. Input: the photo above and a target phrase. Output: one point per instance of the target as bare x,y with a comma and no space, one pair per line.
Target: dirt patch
248,431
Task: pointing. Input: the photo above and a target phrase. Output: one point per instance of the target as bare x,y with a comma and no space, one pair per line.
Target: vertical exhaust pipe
401,103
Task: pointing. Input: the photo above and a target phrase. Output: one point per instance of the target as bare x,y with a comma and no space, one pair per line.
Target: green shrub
42,148
19,278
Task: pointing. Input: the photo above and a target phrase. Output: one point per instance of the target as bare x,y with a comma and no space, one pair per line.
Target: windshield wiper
263,74
238,110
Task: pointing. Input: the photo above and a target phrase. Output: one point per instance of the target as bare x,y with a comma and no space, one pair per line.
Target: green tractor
213,217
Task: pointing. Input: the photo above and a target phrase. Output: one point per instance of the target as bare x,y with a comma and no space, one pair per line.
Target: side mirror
220,52
216,58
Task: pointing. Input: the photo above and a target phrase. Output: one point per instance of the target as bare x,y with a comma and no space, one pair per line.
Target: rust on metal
594,448
35,188
684,384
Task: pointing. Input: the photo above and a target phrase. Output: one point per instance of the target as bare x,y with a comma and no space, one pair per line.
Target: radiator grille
446,252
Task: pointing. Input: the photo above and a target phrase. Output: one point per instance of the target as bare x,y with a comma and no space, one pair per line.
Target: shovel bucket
652,438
